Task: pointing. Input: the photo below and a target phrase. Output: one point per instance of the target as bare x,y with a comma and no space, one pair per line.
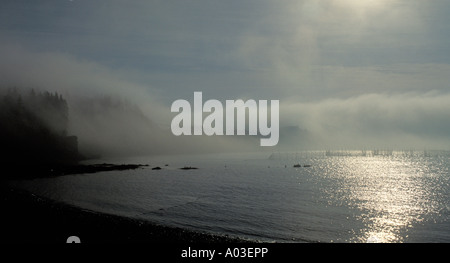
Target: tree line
33,128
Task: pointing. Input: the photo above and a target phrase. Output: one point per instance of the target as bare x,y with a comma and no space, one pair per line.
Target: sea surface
342,196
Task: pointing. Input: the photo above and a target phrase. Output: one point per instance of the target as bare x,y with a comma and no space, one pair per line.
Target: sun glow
364,8
365,4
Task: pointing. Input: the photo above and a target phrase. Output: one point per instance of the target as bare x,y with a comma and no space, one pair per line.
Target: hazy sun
365,5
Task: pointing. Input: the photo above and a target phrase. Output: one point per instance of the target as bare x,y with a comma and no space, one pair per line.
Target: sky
348,73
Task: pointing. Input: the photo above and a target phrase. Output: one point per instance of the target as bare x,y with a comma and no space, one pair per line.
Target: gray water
341,197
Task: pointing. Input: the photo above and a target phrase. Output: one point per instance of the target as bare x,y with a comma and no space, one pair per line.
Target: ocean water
339,197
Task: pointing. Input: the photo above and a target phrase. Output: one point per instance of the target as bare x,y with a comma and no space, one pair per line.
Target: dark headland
34,138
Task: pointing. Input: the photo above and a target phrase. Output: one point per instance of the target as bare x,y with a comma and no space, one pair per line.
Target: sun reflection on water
390,192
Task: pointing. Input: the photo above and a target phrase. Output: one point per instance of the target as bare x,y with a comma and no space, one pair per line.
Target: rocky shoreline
25,171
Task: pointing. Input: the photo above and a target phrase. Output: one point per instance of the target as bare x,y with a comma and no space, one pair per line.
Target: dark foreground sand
27,218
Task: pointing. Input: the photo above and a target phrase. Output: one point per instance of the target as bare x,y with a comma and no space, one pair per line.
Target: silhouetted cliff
33,129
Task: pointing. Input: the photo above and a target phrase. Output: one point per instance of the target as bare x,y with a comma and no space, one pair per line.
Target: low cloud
399,121
111,115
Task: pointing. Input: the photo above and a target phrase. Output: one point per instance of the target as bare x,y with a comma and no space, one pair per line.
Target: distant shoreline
33,171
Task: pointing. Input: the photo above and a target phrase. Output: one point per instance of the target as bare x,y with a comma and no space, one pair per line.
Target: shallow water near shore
351,197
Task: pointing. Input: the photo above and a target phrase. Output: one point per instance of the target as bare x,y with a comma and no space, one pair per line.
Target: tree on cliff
33,128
